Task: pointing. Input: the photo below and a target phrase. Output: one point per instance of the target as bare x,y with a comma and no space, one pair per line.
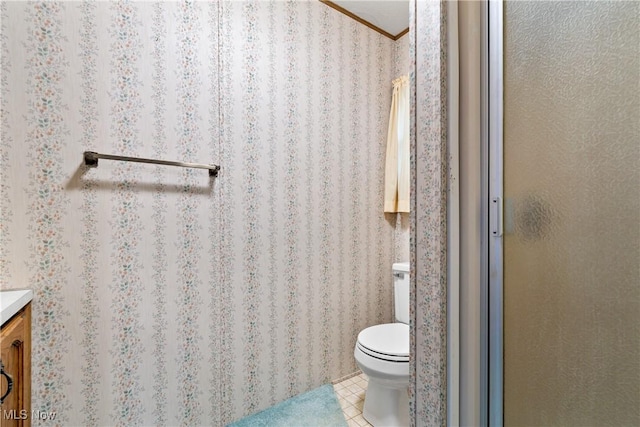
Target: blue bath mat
316,408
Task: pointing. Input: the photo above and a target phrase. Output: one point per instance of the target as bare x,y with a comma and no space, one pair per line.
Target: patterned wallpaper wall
429,161
307,249
401,57
161,296
402,66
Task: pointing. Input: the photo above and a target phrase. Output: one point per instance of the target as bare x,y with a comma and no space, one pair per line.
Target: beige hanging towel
396,177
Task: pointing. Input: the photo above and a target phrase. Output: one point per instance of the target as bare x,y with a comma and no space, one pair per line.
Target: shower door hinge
496,217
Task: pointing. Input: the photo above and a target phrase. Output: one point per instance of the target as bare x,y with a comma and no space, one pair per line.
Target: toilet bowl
382,353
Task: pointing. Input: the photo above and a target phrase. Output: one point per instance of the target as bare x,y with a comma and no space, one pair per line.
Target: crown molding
364,22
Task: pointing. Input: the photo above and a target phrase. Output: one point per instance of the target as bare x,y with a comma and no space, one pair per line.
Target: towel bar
91,160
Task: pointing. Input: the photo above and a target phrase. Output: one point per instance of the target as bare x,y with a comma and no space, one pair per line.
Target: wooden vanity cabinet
15,340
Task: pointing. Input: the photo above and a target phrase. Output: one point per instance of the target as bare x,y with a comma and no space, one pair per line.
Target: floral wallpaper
308,249
164,296
429,161
402,66
45,140
401,56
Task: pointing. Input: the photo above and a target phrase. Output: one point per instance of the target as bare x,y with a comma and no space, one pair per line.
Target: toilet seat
382,354
389,342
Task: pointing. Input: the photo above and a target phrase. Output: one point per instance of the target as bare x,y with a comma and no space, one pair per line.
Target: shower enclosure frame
479,385
480,366
493,167
599,362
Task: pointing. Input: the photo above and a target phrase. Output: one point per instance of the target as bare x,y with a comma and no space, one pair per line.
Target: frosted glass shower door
571,307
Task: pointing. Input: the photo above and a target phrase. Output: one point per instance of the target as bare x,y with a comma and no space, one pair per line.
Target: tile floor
351,397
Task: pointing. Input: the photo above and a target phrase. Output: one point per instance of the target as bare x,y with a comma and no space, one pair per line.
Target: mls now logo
23,414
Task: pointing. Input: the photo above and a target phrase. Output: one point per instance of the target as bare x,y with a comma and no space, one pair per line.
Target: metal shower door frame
493,168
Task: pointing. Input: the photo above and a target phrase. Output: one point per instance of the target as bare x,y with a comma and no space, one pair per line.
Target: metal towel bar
91,160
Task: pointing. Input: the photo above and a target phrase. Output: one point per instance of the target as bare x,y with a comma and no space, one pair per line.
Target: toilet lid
390,339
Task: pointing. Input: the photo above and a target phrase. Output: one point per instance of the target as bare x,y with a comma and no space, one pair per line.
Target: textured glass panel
572,205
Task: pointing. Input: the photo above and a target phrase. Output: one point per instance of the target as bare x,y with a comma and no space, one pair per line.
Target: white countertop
12,301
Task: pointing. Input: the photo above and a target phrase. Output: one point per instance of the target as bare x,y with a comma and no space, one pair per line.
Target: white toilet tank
401,291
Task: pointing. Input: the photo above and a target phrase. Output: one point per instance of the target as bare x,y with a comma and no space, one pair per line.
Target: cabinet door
16,356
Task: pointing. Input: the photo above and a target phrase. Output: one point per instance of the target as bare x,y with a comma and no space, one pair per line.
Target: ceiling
390,16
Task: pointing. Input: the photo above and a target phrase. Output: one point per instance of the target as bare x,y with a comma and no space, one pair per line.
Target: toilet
382,353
